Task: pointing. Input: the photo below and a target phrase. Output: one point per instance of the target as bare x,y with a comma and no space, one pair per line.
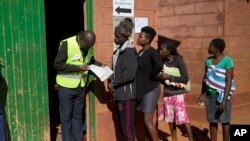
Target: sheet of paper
102,73
140,22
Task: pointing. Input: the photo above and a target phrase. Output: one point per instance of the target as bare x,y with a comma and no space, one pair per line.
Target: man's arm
61,58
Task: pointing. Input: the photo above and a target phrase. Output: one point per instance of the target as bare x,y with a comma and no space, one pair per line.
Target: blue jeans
71,103
2,128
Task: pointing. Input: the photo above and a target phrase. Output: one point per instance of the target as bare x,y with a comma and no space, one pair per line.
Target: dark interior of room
63,19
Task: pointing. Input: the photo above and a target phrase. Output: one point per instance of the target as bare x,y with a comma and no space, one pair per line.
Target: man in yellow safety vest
73,57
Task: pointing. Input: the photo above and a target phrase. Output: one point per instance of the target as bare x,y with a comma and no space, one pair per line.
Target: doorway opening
63,19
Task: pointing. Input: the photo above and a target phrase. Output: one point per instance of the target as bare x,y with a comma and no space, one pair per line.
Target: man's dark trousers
71,106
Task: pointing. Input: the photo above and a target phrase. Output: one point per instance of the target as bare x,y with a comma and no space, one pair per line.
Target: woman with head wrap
175,72
148,88
123,80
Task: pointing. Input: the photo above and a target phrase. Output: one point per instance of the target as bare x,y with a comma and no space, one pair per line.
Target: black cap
162,39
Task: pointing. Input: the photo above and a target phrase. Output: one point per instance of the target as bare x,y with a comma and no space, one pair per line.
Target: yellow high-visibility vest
72,80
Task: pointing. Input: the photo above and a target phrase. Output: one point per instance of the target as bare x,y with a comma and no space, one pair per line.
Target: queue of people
136,83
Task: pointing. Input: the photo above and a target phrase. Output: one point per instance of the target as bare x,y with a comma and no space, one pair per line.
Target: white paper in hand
102,73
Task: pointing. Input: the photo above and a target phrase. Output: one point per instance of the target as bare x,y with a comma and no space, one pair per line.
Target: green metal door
23,90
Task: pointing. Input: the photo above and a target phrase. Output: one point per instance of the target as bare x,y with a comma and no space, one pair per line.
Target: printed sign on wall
123,8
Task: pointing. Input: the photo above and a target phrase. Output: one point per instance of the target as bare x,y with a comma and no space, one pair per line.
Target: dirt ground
200,128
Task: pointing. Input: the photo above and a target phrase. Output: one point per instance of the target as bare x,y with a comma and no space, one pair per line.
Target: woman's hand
223,104
164,76
220,108
111,86
200,100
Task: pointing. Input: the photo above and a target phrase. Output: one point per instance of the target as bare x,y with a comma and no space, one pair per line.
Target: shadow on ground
163,135
198,134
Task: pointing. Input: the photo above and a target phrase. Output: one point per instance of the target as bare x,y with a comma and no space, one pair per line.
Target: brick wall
103,27
237,35
195,23
106,123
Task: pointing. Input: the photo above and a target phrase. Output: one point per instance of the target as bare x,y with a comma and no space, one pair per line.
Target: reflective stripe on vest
73,76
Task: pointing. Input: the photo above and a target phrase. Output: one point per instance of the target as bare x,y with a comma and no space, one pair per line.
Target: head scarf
125,27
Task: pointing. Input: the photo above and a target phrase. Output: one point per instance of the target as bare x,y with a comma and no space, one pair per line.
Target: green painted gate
23,90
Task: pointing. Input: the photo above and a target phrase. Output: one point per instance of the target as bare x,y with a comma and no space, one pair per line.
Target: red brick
202,54
239,53
207,7
146,4
151,15
184,32
185,9
242,64
106,13
235,42
236,30
195,36
222,6
166,11
173,2
241,78
187,53
199,55
221,30
191,20
104,50
198,78
106,30
195,81
206,42
237,6
195,66
238,18
195,89
173,21
169,32
107,16
191,43
241,87
206,31
191,75
214,18
105,3
241,98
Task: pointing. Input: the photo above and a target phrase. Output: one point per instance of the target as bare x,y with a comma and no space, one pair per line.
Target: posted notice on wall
140,22
102,73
